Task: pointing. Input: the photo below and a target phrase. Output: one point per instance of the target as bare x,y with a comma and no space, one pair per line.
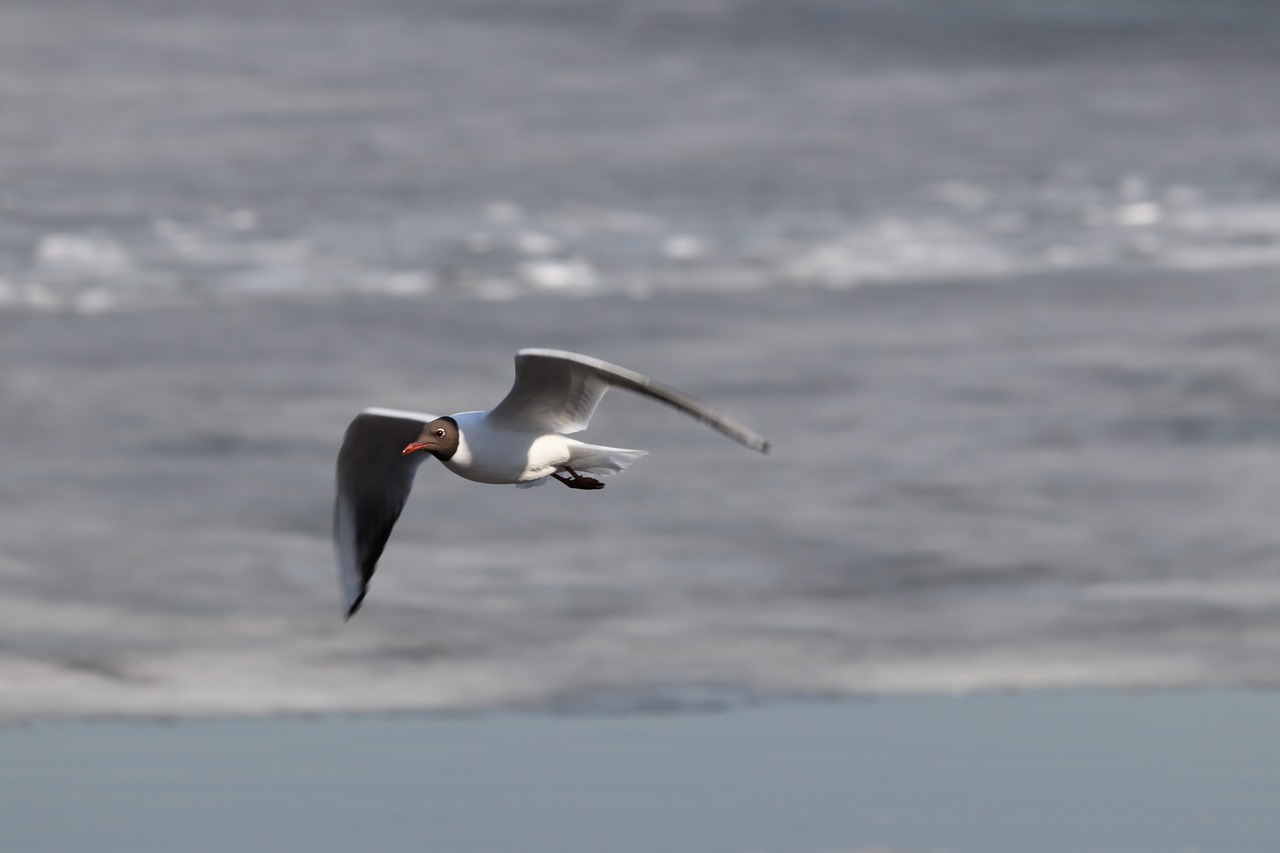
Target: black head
439,438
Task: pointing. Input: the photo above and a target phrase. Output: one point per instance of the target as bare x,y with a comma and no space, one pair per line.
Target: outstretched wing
559,391
373,484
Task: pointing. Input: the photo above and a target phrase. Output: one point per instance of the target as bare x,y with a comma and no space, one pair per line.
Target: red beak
413,448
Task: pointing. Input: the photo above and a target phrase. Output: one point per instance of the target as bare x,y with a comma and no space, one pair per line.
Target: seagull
522,441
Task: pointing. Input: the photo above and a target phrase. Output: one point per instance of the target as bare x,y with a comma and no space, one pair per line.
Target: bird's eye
440,433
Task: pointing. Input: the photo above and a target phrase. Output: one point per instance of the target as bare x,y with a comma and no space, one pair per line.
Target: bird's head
439,438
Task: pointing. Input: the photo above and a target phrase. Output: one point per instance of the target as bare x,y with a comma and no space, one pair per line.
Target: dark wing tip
373,483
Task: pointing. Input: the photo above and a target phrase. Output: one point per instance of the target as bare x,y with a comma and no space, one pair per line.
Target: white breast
488,453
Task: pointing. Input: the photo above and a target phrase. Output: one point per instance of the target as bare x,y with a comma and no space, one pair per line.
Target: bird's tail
593,459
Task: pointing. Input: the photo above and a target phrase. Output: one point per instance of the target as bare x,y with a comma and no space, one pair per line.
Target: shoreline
640,707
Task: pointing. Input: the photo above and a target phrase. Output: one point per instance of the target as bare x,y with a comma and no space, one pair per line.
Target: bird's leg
577,481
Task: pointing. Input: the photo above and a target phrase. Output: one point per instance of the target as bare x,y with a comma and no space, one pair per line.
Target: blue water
1053,773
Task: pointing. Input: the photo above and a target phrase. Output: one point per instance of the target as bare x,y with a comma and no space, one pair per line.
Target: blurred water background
1000,279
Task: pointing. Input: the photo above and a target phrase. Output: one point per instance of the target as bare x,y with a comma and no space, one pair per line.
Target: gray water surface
973,487
991,774
999,280
158,153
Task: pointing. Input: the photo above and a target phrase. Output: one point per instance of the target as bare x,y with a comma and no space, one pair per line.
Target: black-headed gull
520,441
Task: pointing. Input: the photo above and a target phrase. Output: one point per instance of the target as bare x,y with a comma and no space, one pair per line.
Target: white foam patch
82,254
898,249
683,247
574,274
966,232
409,283
537,244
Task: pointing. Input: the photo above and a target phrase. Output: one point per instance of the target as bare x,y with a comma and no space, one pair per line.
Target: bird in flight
521,441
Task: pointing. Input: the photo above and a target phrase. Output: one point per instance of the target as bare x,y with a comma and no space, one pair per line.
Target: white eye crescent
440,433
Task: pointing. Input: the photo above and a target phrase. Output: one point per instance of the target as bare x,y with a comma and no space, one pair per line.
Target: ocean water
998,279
159,154
980,774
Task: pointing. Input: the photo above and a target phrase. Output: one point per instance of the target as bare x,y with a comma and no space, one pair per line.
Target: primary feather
374,480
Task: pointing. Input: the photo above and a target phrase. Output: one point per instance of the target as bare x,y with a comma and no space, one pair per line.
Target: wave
962,231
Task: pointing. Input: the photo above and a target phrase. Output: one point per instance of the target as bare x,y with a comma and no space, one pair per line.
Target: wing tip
355,606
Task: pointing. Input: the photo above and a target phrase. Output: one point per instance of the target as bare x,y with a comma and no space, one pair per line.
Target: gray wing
373,480
560,390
